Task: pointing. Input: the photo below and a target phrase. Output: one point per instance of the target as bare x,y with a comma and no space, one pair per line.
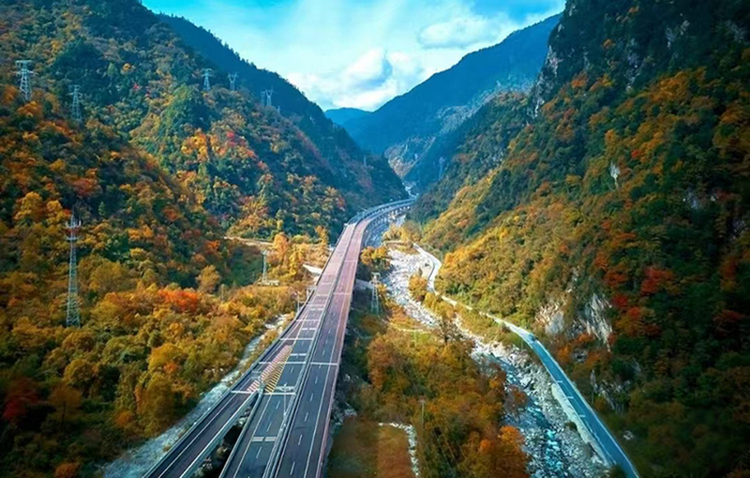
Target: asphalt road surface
304,453
252,452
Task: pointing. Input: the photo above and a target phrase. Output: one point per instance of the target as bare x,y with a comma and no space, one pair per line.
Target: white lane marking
317,419
311,397
258,454
306,415
277,405
316,379
300,440
252,437
291,472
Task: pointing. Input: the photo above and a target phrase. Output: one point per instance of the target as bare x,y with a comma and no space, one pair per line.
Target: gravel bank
555,448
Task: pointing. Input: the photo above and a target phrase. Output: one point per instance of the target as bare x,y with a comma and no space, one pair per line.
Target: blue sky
358,53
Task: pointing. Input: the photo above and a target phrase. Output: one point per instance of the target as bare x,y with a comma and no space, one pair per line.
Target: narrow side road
608,445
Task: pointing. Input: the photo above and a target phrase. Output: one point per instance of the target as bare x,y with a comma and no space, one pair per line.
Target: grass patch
363,448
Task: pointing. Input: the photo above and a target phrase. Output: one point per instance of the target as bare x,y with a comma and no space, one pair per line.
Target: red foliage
631,323
21,394
728,321
601,261
181,300
614,279
620,301
656,280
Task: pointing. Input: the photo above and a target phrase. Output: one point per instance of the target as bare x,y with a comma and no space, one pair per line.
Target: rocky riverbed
556,449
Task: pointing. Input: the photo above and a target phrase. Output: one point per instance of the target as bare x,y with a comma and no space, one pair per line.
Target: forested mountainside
246,163
341,116
410,126
152,172
360,186
614,223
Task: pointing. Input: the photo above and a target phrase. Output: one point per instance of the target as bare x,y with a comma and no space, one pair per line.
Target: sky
358,53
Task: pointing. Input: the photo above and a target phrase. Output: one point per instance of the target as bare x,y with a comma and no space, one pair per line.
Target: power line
25,73
73,318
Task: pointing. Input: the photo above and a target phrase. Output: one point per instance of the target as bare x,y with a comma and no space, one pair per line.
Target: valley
452,239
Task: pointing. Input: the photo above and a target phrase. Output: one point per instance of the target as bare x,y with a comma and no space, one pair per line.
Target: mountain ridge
613,223
407,127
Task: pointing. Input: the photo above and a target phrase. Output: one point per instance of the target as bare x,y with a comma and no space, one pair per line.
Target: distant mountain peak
411,126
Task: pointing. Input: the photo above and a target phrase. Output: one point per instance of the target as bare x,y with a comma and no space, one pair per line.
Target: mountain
159,171
246,163
360,186
341,116
410,126
610,214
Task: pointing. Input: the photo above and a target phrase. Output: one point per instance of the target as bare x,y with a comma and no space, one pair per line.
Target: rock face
551,317
595,320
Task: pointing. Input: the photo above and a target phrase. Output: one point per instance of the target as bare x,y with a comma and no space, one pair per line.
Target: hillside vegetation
158,172
246,163
400,372
614,222
361,186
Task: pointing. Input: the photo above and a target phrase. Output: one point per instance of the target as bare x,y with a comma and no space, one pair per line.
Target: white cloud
358,53
458,33
370,70
366,83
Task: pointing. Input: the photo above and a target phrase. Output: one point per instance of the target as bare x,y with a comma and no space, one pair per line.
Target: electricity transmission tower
232,81
206,79
25,73
265,98
76,109
442,168
265,267
73,318
375,300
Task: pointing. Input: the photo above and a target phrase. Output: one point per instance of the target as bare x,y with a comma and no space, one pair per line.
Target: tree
158,405
66,401
208,279
22,394
322,233
418,287
67,470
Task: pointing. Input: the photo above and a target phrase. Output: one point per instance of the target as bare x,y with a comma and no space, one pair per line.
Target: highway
607,442
304,453
303,359
288,436
253,450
